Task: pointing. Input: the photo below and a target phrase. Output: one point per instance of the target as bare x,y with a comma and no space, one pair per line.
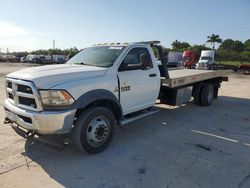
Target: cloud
17,38
10,30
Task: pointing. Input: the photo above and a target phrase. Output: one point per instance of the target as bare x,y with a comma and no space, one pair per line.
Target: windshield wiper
82,63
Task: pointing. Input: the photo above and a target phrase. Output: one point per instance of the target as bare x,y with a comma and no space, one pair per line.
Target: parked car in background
23,59
59,59
31,58
45,59
10,58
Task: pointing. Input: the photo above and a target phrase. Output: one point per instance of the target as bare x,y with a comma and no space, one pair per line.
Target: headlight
55,99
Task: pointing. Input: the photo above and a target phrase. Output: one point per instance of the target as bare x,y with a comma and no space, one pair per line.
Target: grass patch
235,63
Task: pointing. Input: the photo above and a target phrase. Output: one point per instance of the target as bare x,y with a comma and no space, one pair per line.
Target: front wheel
94,129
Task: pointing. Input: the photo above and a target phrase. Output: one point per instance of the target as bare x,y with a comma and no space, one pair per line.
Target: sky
27,25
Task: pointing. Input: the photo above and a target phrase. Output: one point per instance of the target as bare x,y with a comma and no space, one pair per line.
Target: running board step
137,116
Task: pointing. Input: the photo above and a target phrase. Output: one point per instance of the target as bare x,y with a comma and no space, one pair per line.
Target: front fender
98,95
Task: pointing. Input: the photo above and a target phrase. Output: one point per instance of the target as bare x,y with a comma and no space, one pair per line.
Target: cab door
139,86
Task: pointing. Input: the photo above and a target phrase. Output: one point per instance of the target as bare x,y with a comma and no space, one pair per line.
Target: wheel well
111,105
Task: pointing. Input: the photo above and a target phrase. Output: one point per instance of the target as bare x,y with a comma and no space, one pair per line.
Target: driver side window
133,59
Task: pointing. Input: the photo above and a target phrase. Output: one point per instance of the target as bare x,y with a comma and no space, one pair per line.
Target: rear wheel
196,94
94,129
207,95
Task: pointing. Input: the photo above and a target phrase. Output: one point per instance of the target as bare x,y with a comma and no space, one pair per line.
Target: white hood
46,77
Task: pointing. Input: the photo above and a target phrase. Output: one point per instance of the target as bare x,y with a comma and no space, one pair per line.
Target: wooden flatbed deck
181,77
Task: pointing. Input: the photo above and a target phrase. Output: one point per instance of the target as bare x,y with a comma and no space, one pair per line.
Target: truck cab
206,60
47,99
189,59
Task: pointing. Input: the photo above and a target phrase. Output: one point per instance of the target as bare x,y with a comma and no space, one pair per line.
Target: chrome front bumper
203,66
46,122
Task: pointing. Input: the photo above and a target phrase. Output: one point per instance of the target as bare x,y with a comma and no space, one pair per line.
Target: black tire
196,94
207,95
85,134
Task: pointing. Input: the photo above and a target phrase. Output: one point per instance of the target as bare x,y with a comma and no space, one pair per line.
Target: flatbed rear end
182,84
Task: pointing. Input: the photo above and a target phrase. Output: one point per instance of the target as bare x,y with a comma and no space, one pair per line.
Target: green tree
230,44
20,54
247,45
176,44
214,39
180,46
227,55
198,48
72,51
185,45
156,52
238,46
231,50
227,44
245,56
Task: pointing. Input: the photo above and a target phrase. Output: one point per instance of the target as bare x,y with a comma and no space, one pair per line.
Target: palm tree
214,39
176,44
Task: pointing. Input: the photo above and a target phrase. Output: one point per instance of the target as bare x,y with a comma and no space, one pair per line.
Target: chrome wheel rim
98,131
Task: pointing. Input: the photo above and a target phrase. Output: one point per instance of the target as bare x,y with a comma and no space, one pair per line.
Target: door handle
152,75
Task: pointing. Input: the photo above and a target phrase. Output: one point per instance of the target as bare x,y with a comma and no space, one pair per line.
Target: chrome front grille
201,65
23,94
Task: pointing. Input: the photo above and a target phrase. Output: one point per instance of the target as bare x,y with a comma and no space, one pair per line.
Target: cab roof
126,43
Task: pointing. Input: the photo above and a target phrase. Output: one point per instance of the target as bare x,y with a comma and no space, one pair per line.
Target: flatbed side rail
175,81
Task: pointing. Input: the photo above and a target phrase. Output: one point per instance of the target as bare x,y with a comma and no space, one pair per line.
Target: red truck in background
245,68
189,59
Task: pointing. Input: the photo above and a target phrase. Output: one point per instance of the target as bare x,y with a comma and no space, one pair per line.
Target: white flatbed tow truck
101,87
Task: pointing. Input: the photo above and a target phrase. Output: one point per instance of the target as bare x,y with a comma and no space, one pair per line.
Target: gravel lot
187,146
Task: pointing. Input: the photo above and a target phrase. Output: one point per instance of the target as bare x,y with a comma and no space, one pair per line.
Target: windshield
100,56
206,58
186,58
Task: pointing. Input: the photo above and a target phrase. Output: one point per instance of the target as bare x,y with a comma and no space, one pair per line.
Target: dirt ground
186,146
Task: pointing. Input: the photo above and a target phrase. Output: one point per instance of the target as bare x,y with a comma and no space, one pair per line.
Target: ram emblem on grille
13,92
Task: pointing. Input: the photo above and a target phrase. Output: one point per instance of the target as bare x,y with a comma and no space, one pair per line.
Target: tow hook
30,134
7,121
